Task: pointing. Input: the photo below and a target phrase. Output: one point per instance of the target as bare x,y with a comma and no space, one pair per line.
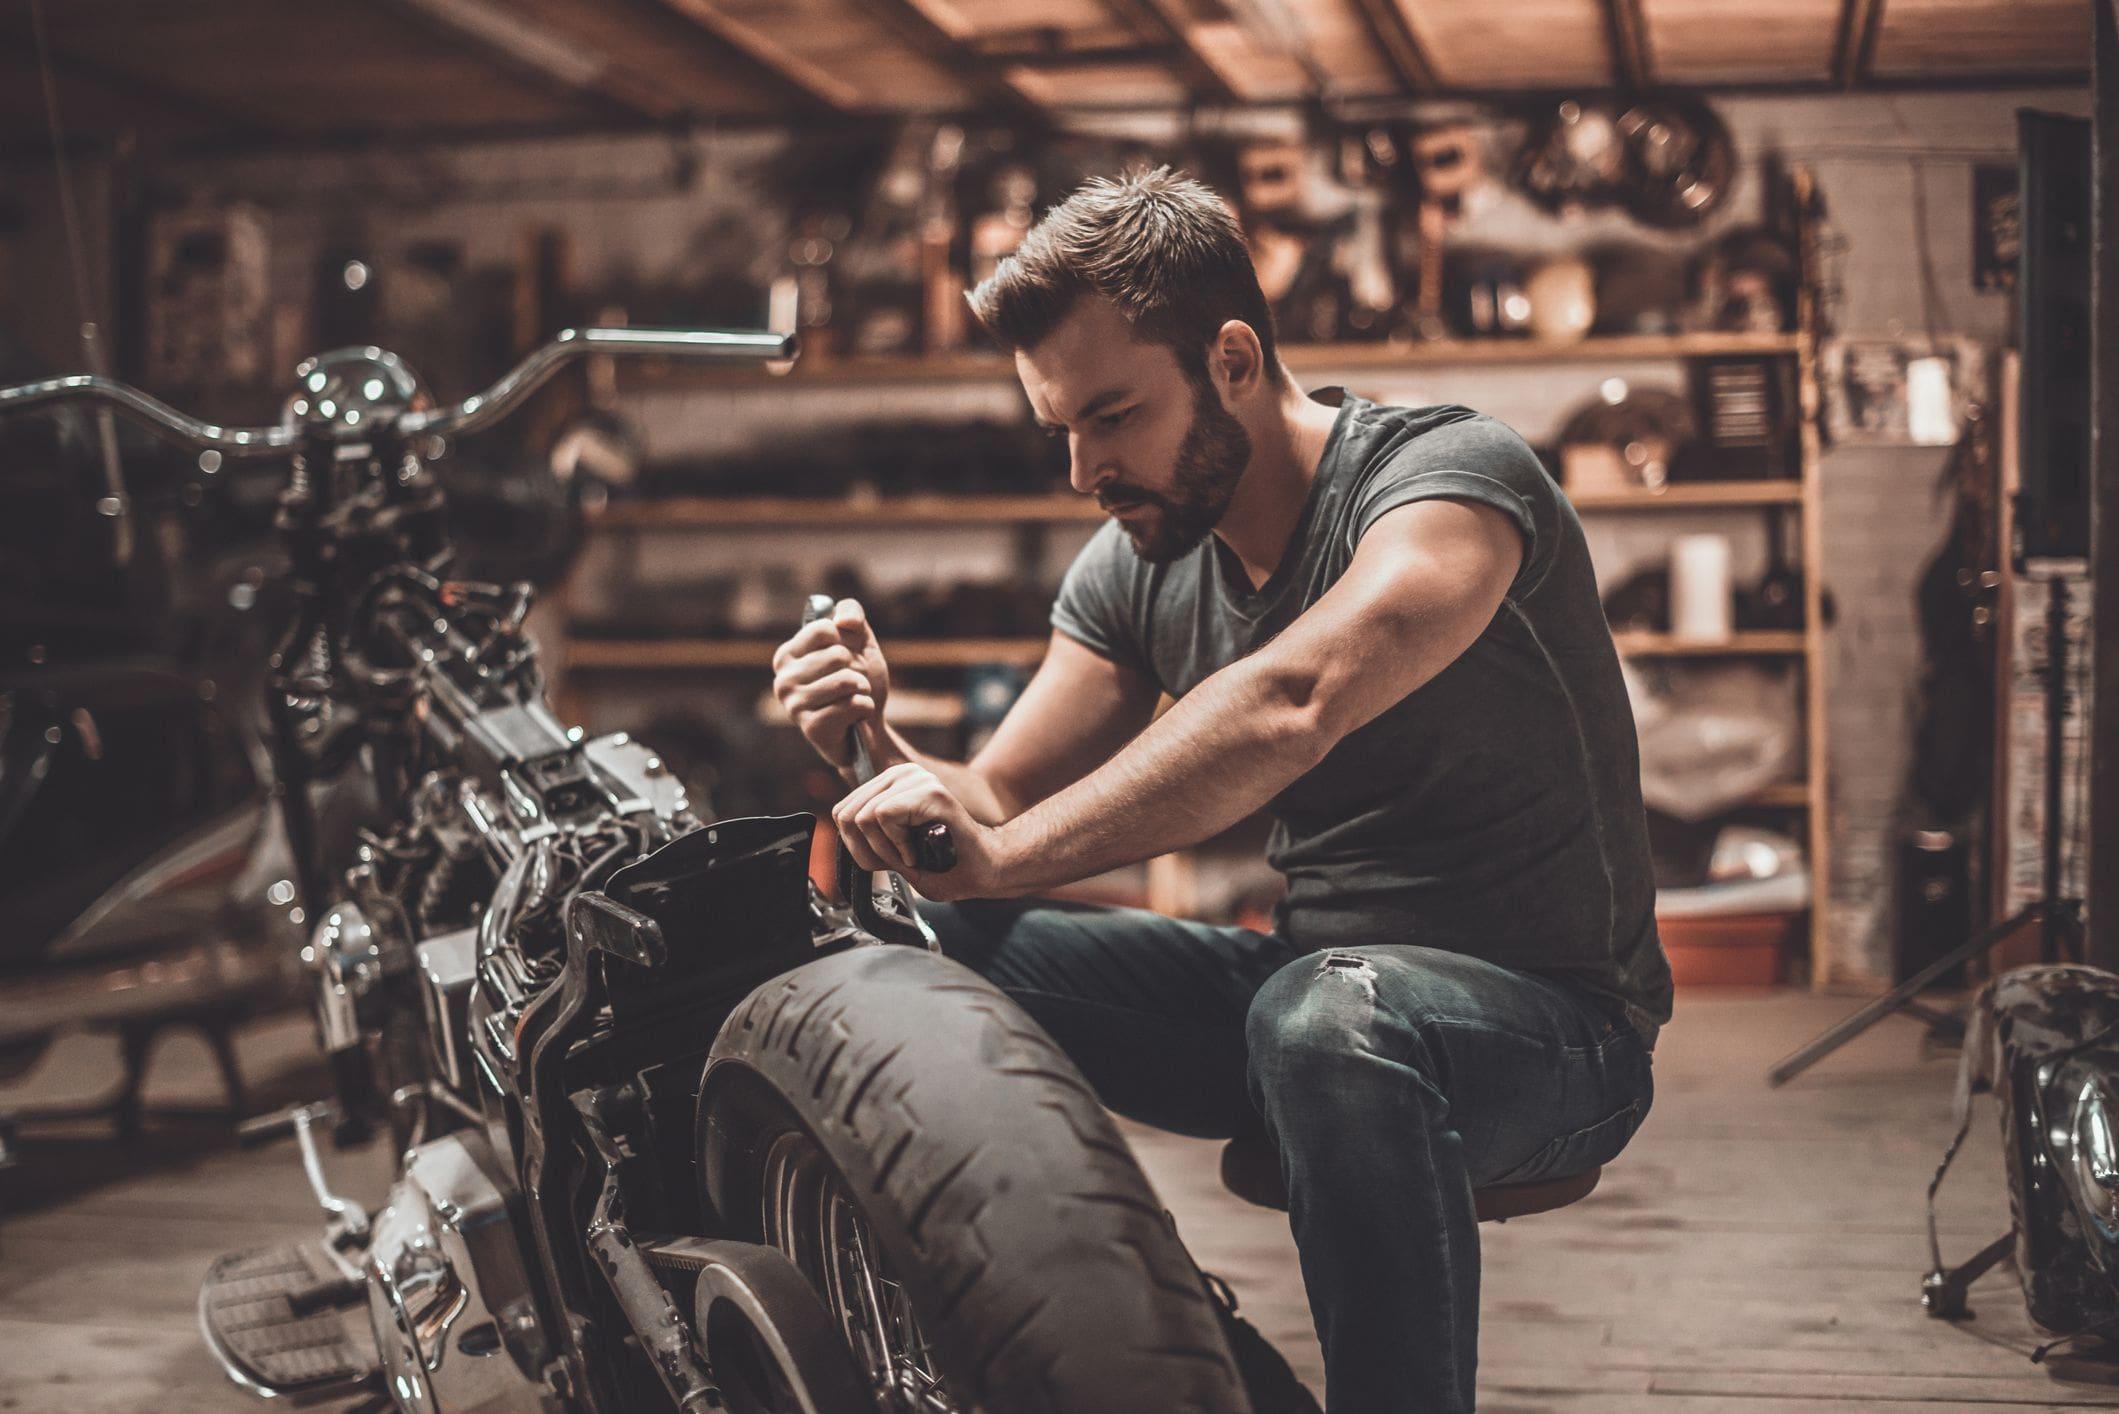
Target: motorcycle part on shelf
1666,158
1628,437
1574,156
1680,161
1776,601
1449,165
2045,1041
1641,601
1563,299
1933,913
1746,411
1745,282
1641,288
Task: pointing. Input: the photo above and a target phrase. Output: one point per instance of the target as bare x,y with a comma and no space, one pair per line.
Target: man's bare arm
1425,581
1078,708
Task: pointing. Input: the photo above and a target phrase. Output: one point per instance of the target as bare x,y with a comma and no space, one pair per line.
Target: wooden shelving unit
709,515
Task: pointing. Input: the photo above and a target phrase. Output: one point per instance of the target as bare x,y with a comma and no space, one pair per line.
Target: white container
1702,606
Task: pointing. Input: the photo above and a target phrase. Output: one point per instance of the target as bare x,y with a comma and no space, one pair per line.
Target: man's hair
1159,245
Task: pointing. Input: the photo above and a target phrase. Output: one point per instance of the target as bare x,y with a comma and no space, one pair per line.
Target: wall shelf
1302,358
1750,643
710,512
670,654
1693,496
707,512
681,654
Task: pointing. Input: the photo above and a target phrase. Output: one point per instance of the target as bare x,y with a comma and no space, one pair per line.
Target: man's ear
1237,360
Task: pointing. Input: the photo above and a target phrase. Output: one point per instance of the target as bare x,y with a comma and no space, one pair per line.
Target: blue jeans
1395,1079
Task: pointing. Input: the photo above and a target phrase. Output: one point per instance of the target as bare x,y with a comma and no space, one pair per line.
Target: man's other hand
830,677
877,821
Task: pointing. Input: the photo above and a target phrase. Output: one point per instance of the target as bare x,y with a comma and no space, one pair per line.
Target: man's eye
1110,420
1052,434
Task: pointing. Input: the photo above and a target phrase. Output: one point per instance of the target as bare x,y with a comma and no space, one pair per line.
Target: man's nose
1083,474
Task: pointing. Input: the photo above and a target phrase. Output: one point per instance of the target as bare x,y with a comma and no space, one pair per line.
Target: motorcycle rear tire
1039,1265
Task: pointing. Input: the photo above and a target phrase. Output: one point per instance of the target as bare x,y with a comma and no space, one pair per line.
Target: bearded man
1380,626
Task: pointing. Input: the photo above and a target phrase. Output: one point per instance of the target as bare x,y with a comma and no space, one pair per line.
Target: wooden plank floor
1756,1250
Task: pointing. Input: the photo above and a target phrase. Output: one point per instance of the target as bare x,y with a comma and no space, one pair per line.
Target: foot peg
285,1322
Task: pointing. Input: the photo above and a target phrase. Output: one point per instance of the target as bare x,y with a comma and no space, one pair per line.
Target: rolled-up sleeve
1478,460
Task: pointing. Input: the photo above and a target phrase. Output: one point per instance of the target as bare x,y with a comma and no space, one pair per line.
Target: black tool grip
933,846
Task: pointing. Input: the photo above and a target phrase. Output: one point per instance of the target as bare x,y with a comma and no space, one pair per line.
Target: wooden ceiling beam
1854,46
1394,35
1276,28
1632,66
822,86
1205,82
1089,56
949,48
518,43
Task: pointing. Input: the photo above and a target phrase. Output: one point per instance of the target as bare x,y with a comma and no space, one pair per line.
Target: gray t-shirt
1495,810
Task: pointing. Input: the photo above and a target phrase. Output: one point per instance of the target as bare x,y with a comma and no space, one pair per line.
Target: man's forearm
962,779
1220,753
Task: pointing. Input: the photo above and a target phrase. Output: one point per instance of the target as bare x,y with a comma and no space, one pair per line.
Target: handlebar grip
933,846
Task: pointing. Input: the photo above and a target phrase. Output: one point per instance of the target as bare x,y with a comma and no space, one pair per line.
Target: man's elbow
1297,713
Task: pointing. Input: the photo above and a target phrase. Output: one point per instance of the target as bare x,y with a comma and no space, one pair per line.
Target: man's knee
1312,1033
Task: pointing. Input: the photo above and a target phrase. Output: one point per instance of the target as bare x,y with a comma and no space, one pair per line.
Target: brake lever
933,844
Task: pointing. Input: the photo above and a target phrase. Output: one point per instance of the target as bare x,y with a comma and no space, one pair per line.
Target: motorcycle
689,1113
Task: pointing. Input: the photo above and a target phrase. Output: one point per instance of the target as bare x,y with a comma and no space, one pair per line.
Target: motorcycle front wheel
946,1181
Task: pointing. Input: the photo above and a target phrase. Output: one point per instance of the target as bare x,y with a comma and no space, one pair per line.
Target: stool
1250,1168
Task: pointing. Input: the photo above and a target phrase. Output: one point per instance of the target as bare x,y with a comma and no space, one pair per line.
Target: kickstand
1943,1293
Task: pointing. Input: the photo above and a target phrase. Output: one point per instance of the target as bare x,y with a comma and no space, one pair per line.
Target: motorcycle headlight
2093,1169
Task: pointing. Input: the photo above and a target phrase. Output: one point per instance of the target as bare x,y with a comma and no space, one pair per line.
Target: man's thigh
1541,1079
1151,1008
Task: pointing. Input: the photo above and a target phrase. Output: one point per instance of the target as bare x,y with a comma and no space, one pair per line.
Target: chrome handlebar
496,402
473,413
149,412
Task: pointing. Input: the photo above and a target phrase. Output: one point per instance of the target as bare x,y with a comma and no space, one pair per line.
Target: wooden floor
1756,1250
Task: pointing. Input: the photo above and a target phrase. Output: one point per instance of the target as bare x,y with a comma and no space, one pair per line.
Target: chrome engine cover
448,1291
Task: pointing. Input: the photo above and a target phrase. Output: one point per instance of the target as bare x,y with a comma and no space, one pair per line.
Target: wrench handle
933,846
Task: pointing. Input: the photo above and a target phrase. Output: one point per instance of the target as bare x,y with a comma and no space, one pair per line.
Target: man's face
1159,452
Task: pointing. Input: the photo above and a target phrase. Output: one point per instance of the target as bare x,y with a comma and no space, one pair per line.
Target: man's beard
1210,462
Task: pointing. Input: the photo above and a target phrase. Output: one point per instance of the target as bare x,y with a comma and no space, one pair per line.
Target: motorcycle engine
448,1294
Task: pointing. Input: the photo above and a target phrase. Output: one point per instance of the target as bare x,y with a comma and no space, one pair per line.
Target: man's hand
830,677
877,822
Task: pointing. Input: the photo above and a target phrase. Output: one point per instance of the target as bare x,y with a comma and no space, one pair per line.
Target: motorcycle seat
1250,1169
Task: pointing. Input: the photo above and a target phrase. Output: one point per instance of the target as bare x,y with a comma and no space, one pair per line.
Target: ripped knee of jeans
1348,967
